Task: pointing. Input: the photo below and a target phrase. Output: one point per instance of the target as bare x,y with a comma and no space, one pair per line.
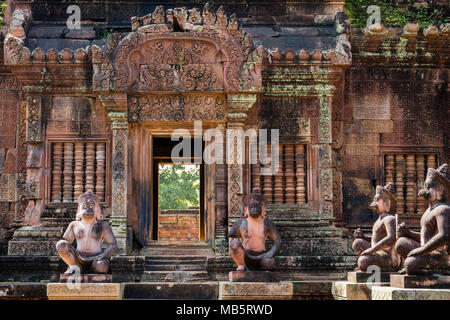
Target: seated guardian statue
89,230
379,249
253,229
429,250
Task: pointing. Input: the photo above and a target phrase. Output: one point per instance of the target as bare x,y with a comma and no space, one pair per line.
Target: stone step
165,290
176,267
175,276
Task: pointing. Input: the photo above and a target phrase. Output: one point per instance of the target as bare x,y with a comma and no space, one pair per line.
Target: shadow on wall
356,202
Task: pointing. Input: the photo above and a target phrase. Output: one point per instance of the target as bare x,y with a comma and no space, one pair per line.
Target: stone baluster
300,173
267,180
389,169
420,164
278,189
431,161
57,156
410,183
399,182
289,173
100,171
90,159
68,172
78,172
256,173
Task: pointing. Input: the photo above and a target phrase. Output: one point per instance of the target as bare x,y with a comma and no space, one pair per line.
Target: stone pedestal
35,241
420,281
84,291
256,290
346,290
255,276
390,293
86,278
363,277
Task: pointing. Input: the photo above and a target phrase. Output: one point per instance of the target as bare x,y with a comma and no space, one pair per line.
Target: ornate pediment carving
180,50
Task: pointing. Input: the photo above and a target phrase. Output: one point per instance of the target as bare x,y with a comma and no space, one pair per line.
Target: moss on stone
395,14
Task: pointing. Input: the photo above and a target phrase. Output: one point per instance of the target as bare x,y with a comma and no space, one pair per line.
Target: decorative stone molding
204,53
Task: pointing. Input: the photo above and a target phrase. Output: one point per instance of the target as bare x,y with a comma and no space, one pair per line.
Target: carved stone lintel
34,119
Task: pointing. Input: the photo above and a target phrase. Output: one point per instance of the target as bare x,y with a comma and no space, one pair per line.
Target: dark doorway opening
178,192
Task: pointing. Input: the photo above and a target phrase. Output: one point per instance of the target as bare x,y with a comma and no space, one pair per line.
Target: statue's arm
388,241
415,235
275,237
69,235
441,237
110,240
359,234
235,231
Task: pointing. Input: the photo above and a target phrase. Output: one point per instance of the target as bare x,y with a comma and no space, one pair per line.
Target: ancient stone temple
94,108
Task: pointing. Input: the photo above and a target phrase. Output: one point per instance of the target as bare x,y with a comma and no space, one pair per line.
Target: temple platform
363,277
390,293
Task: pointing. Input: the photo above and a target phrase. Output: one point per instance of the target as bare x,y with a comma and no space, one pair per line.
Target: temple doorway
178,193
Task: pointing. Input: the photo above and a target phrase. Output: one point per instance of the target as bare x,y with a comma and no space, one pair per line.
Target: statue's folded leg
404,245
380,259
427,263
267,264
359,245
100,266
68,254
238,254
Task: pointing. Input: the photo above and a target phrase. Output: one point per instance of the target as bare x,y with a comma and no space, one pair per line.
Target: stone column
237,107
116,108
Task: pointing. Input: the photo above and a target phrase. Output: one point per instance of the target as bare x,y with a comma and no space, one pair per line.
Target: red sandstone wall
388,108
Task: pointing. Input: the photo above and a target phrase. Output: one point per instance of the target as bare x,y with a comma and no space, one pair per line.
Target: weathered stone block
420,281
23,291
255,290
390,293
362,277
164,290
86,278
83,33
255,276
84,291
345,290
377,126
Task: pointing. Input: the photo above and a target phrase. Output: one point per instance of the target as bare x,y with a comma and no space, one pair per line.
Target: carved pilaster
115,105
237,107
267,179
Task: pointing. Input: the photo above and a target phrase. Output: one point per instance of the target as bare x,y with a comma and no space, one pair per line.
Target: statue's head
437,184
384,199
89,207
255,203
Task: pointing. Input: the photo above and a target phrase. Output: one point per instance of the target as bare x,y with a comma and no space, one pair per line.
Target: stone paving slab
390,293
255,290
165,290
346,290
420,281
